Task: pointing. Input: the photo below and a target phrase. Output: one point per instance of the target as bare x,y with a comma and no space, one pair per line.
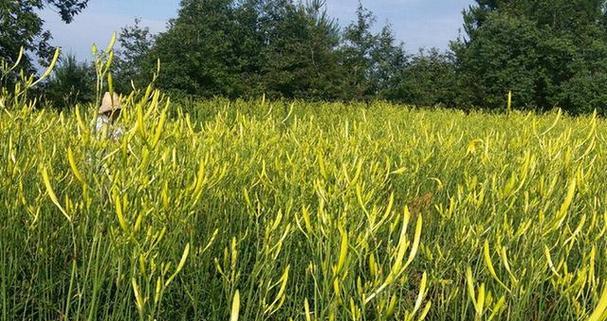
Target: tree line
549,53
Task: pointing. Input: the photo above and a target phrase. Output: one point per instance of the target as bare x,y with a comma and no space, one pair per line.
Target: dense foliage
261,209
131,63
300,211
72,82
547,53
550,53
244,49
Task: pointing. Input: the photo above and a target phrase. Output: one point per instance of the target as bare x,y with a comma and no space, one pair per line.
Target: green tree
429,79
549,53
250,47
22,27
388,62
72,82
374,62
202,52
503,55
300,57
132,66
358,43
586,90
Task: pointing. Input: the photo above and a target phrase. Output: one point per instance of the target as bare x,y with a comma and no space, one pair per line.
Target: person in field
107,116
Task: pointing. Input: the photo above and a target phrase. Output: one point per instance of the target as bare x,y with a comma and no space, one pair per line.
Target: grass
256,210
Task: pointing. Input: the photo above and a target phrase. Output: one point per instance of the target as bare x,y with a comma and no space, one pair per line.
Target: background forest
548,53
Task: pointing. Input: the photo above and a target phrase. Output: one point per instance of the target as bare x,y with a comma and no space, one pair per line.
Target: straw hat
110,103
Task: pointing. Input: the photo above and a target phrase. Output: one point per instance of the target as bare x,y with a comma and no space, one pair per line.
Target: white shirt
104,126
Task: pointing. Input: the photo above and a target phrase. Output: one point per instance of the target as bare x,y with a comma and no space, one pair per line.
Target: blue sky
418,23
